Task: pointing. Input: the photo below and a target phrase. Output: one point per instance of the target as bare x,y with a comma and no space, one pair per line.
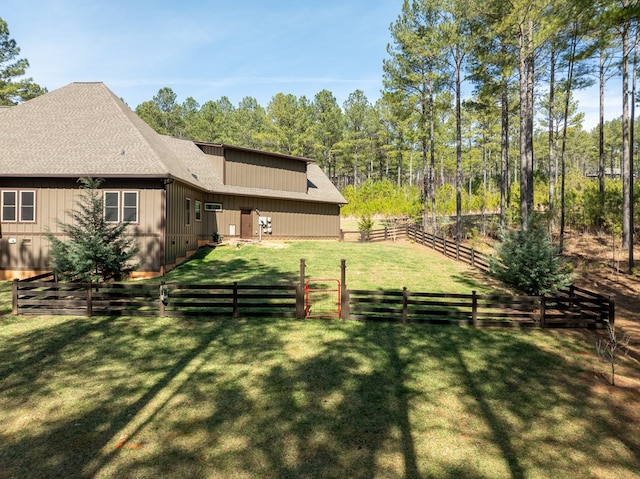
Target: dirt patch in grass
601,268
597,269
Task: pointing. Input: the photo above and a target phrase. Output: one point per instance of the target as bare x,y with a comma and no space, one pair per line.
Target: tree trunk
601,152
526,121
627,195
504,151
552,73
632,141
458,151
574,41
432,158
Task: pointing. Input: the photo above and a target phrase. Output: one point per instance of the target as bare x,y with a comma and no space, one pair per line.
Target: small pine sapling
530,262
365,225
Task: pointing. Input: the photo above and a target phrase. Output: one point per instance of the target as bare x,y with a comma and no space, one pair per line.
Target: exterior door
246,224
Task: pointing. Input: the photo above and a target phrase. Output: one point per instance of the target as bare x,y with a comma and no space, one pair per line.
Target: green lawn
368,266
216,398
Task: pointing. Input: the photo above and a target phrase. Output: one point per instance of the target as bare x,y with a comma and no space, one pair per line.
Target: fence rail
479,310
140,299
571,307
450,248
376,235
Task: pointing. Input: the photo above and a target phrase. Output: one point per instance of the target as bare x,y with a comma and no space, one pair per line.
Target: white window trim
15,206
19,206
104,206
137,193
120,205
209,206
198,210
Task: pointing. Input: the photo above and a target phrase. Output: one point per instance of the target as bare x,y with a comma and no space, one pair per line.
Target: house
177,194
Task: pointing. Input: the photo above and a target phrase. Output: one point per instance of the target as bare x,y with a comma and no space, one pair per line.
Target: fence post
300,291
344,295
444,246
405,301
543,310
89,300
300,302
386,233
474,308
473,258
14,296
234,313
162,297
457,251
572,294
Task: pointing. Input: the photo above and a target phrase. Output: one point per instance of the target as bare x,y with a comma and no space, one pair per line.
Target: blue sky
206,49
212,48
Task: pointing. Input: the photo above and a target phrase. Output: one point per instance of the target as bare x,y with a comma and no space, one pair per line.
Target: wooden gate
322,298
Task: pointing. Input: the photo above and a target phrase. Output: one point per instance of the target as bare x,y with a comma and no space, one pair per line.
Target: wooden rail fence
450,248
573,307
569,309
49,297
376,235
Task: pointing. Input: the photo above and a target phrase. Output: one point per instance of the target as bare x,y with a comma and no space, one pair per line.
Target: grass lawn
369,266
122,398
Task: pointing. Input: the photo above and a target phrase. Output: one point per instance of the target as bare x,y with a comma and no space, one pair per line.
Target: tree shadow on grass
517,388
81,442
274,398
5,293
27,356
202,269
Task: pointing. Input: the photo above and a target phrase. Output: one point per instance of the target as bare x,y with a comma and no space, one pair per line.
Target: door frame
246,223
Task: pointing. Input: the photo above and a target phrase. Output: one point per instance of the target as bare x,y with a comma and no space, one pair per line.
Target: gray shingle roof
83,129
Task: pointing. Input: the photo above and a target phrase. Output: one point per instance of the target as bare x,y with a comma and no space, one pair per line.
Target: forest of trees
478,114
513,144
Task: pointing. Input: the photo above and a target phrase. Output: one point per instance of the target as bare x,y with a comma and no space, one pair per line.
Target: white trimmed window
198,211
19,205
130,206
121,206
27,206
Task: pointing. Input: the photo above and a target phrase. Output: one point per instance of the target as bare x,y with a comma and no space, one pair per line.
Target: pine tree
94,249
530,262
14,87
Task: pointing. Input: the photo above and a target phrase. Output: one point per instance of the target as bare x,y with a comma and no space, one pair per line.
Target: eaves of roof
224,146
83,129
